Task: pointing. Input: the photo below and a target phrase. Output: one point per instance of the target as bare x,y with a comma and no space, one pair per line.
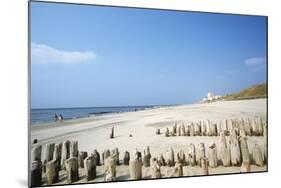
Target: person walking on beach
60,117
56,117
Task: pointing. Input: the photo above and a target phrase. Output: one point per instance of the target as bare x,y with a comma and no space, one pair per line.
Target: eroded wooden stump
72,169
109,169
155,168
90,167
82,156
36,173
126,158
257,155
52,172
212,155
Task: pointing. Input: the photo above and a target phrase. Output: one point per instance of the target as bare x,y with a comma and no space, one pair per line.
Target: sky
90,56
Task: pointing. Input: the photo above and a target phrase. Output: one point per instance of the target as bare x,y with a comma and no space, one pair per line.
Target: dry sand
93,132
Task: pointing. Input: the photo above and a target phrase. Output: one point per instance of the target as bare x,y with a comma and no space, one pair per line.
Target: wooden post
74,149
178,171
191,155
135,169
155,168
96,155
82,156
115,155
224,151
65,153
72,169
52,172
244,149
170,160
49,152
181,157
90,168
235,149
36,173
36,153
257,155
111,133
212,155
109,169
204,166
201,154
126,158
146,157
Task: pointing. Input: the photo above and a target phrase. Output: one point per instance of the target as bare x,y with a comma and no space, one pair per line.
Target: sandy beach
93,133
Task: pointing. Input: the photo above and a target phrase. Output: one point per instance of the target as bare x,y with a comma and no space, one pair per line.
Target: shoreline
90,115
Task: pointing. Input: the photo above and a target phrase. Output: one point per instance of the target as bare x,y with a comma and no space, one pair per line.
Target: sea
39,116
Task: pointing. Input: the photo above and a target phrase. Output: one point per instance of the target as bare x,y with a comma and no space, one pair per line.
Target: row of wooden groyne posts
66,156
249,126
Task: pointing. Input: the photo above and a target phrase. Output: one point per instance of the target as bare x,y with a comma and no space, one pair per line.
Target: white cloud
41,53
255,61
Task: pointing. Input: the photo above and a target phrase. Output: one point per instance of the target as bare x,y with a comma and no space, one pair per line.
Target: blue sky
105,56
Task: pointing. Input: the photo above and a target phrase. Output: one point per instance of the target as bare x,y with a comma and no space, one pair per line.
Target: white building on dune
211,97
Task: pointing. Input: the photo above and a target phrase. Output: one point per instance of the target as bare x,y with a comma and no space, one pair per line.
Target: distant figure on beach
60,117
55,117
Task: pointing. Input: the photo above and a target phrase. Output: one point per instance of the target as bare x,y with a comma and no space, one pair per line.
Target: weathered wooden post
74,149
162,161
214,131
155,168
204,129
191,155
181,157
82,156
90,167
126,158
109,169
224,151
49,152
197,130
52,172
57,156
175,128
235,149
36,153
167,132
201,154
257,155
212,155
244,149
105,155
72,169
111,135
178,171
158,132
135,167
170,159
36,173
179,131
115,155
65,153
183,133
146,157
204,166
96,155
247,127
191,129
